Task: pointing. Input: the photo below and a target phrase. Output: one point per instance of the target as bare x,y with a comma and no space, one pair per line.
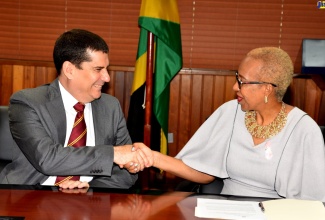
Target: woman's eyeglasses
240,83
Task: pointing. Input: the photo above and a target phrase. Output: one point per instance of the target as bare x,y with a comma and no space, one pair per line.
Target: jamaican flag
161,18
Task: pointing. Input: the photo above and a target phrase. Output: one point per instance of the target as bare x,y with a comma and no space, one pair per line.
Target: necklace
265,131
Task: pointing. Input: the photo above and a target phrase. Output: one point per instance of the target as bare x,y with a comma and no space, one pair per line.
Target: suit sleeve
115,133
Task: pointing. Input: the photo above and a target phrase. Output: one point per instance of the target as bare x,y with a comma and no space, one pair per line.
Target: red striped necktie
77,138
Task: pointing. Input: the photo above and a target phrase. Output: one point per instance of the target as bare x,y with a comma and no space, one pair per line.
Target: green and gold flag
161,18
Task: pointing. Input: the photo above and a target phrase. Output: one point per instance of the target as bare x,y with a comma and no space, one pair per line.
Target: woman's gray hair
277,68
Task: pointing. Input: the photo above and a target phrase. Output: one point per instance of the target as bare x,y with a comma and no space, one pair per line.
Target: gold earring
265,99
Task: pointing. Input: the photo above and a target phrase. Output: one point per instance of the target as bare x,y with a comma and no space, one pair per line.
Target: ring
132,149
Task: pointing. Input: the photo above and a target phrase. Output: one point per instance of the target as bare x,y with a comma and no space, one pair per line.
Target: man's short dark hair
72,46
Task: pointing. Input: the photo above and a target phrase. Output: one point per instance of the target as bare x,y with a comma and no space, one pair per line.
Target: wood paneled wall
17,75
194,94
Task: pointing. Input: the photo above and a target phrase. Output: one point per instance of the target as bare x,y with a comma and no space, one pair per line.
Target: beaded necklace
265,131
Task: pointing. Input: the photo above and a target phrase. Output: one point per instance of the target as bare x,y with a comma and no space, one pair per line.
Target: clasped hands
134,157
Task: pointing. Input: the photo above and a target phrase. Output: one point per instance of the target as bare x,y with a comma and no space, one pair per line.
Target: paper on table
226,209
294,209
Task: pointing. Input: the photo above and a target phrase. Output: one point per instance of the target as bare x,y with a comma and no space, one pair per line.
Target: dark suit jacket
38,125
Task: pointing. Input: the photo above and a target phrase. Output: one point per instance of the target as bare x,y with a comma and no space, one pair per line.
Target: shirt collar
68,100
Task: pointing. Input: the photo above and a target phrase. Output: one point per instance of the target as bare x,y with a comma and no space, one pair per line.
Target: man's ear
68,69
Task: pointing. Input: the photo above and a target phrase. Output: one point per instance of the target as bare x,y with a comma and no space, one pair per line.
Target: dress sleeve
301,172
207,150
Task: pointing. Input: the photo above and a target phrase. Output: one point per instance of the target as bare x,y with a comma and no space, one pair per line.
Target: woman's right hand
143,153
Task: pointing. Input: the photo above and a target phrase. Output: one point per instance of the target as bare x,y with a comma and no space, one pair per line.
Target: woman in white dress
257,144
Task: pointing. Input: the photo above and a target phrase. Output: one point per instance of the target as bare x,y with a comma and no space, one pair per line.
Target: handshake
134,157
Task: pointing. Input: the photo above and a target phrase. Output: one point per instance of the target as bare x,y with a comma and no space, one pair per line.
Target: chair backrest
6,141
215,187
323,131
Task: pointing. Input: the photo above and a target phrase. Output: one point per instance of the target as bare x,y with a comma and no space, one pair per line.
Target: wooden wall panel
6,83
229,92
219,91
44,75
320,82
174,107
118,87
311,102
127,91
206,97
184,122
18,78
299,92
120,84
318,99
196,102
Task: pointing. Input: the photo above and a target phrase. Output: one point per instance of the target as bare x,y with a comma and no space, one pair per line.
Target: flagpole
146,177
149,88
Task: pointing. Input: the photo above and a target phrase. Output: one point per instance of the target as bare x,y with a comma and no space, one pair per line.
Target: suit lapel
56,110
99,123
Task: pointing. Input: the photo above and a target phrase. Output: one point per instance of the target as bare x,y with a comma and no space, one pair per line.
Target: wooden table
39,202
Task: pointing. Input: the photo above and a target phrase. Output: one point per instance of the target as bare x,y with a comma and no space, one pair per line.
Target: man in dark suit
41,120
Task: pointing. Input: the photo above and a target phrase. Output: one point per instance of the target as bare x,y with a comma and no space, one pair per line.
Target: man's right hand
134,160
73,186
143,153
